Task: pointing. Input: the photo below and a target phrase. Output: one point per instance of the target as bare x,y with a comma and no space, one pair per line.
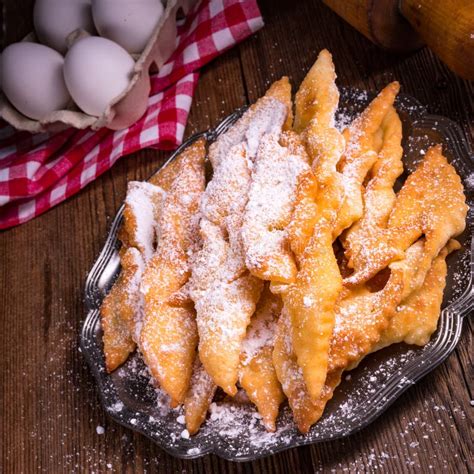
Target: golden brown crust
318,95
379,196
200,394
257,374
169,335
309,300
281,90
362,134
306,410
430,203
118,311
416,317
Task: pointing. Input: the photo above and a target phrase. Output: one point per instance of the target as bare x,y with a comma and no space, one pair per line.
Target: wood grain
49,406
380,21
447,28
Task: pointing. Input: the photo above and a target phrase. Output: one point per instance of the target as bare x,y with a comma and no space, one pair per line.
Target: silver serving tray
130,399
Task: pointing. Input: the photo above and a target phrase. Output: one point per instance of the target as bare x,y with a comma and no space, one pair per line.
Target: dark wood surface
49,407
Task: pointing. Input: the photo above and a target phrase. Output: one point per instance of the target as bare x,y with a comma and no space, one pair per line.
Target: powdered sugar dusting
270,204
142,200
224,294
469,181
262,328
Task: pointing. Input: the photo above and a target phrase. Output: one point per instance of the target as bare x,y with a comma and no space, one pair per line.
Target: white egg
128,23
96,71
54,20
32,79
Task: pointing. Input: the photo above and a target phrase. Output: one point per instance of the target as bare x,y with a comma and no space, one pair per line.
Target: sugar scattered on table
470,181
193,451
117,407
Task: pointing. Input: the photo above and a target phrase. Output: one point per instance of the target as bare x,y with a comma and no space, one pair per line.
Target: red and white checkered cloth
39,171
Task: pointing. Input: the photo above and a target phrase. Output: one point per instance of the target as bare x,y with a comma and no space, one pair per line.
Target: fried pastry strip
200,394
430,203
318,95
262,117
417,316
364,134
364,316
166,175
121,309
141,214
278,165
362,146
257,374
223,307
168,337
306,411
379,196
310,303
365,319
361,317
118,310
342,196
309,300
316,104
413,322
224,292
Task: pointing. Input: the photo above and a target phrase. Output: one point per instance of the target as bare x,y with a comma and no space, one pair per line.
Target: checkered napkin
39,171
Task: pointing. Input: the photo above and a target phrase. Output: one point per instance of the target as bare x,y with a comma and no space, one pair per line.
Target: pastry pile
294,261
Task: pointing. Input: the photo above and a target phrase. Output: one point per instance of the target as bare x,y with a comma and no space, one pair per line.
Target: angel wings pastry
294,259
168,335
224,292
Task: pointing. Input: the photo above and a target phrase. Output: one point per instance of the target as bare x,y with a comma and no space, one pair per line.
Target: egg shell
97,71
32,79
130,24
55,20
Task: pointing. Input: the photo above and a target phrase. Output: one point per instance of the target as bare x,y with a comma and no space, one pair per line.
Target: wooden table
49,404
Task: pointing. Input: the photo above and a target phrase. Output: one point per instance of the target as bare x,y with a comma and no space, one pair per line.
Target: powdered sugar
266,116
261,331
143,199
224,294
470,181
308,301
270,204
135,297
